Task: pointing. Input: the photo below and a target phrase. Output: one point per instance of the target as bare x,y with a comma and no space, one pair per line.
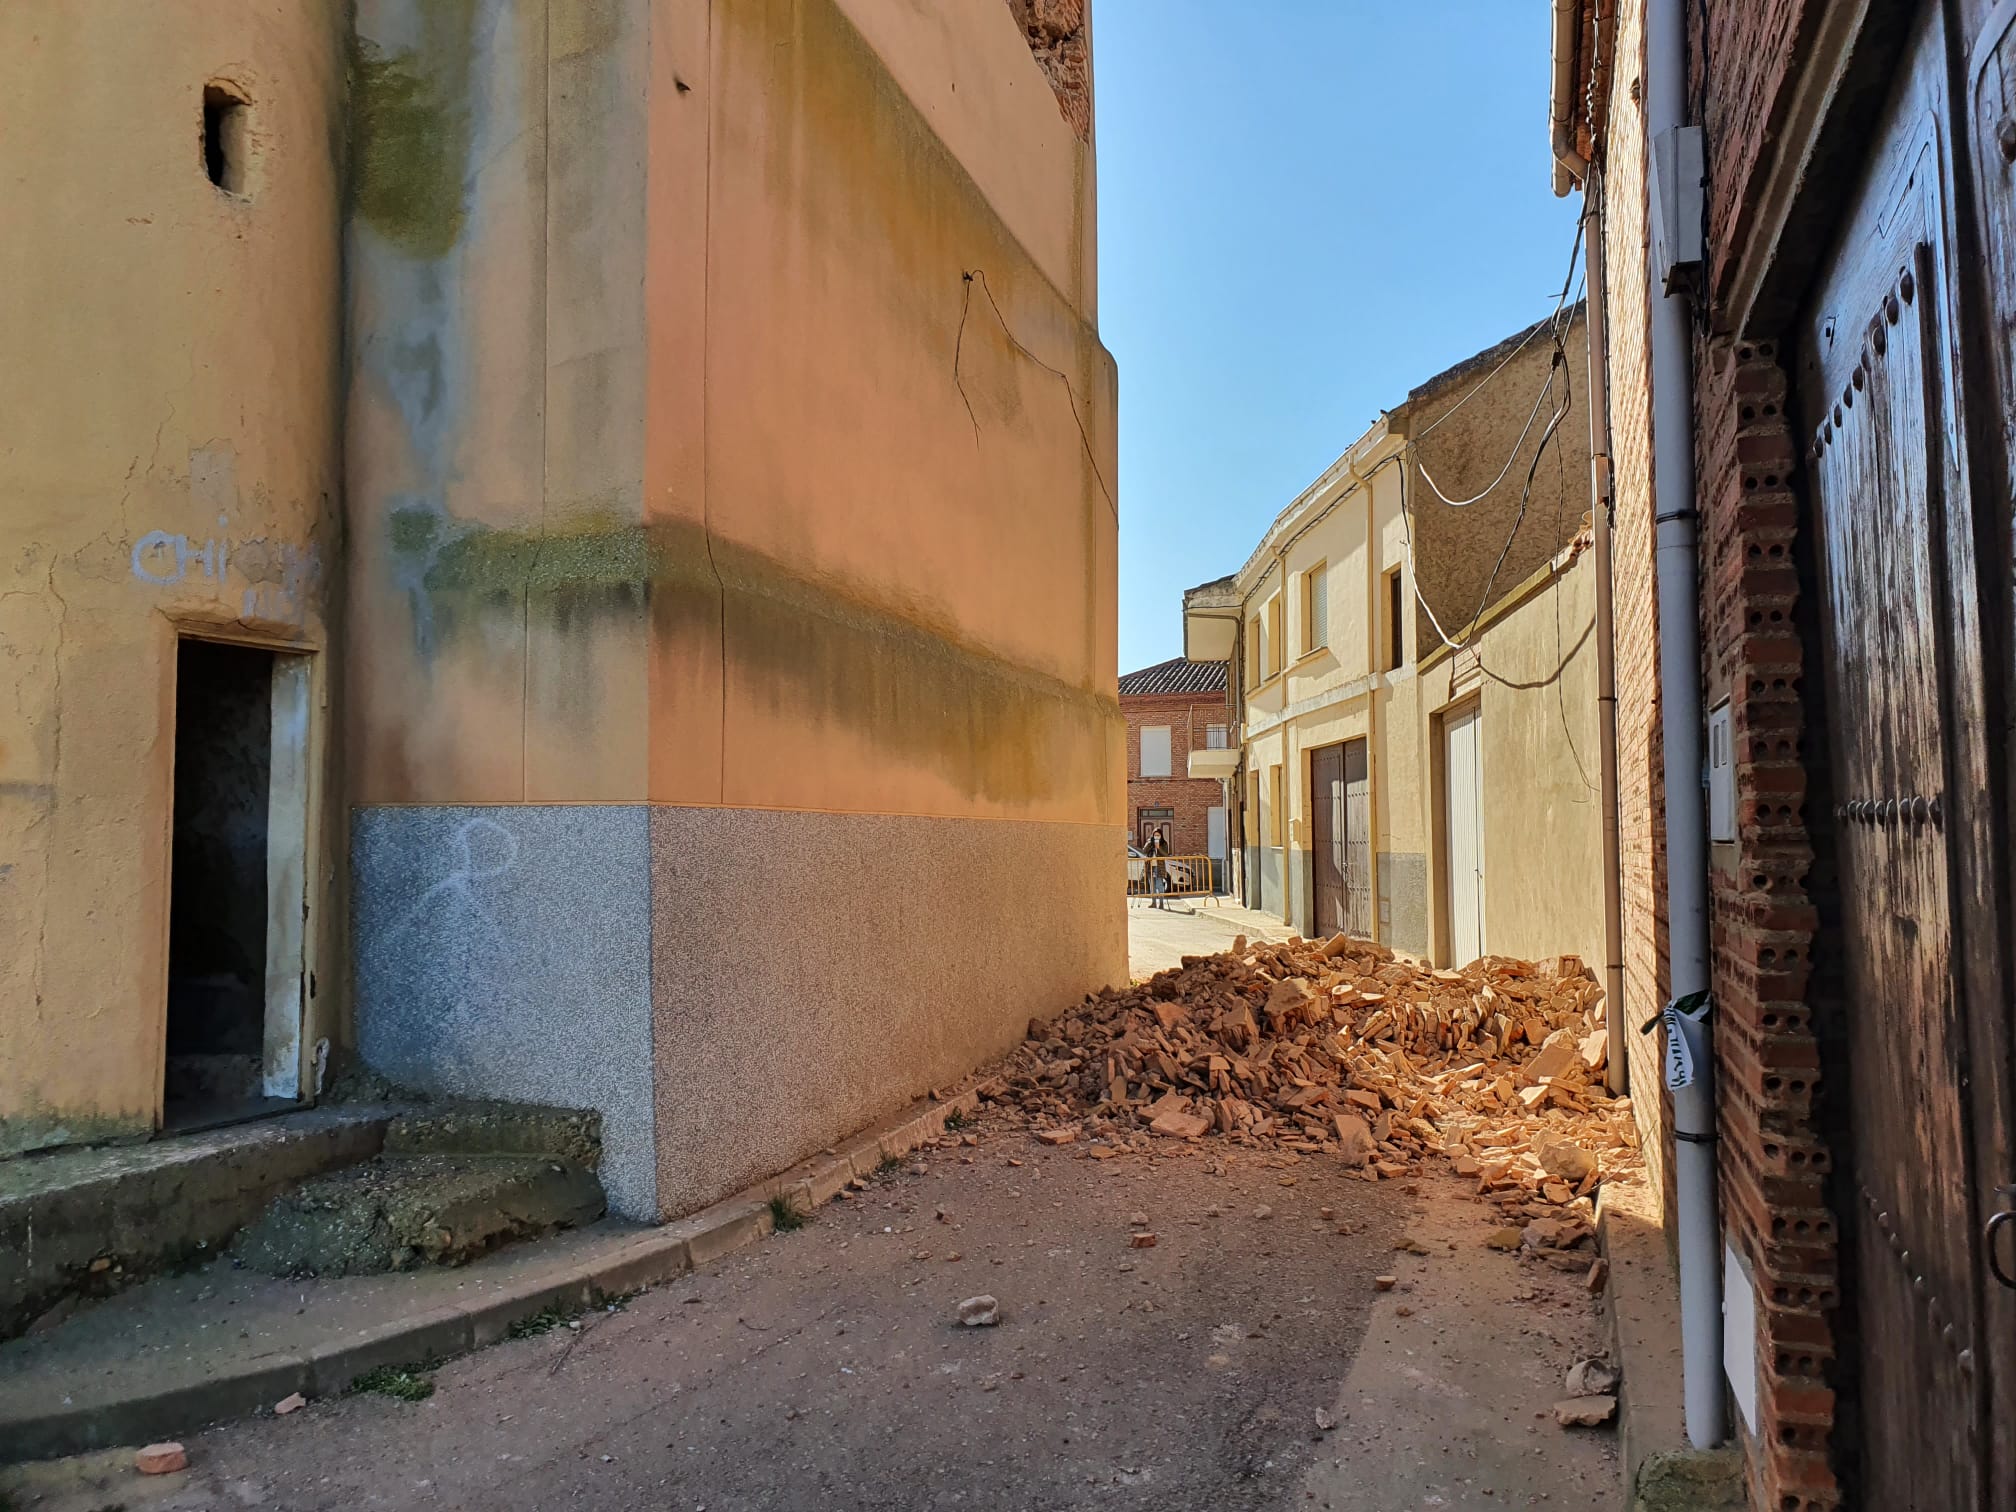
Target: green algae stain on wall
797,644
411,130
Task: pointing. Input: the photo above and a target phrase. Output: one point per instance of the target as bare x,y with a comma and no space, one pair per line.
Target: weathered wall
796,999
498,566
945,624
784,509
1457,550
168,461
1543,821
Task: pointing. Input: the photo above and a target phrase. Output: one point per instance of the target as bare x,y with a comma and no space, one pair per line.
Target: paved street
1158,938
823,1368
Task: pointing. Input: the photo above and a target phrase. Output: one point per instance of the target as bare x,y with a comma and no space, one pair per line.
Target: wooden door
1463,829
1327,891
1900,605
1988,314
1340,813
1358,839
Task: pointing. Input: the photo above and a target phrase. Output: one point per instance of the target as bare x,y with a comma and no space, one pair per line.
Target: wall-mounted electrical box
1721,775
1678,203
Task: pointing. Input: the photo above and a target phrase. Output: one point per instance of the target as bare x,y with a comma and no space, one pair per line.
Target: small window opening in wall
227,118
1396,621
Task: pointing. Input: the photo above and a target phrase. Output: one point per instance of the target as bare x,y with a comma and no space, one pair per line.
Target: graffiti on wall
274,578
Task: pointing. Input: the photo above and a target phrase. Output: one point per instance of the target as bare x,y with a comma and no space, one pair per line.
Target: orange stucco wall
613,366
168,409
758,501
899,521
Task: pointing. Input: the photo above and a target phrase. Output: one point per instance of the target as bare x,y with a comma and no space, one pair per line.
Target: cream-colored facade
1313,652
1373,623
644,645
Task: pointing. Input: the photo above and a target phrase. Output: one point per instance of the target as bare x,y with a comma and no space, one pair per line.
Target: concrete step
88,1222
83,1223
401,1211
498,1128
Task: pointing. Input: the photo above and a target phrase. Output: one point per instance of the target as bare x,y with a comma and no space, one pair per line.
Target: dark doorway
1340,830
217,912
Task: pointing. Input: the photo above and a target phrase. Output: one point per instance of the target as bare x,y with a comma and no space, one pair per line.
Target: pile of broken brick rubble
1344,1048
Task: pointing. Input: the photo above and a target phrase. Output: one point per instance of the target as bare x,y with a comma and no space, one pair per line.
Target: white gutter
1570,167
1698,1227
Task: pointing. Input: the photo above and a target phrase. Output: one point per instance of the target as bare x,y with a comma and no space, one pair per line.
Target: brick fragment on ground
1343,1048
161,1459
1585,1412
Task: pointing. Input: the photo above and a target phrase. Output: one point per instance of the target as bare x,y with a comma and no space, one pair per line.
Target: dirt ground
1246,1360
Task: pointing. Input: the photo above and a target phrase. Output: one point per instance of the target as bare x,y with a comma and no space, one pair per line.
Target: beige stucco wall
498,567
1349,521
168,461
1538,744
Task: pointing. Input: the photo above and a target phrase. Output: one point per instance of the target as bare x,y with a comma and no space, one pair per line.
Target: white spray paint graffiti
276,575
454,890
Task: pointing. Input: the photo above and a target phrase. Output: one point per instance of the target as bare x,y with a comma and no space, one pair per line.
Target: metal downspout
1617,1076
1694,1172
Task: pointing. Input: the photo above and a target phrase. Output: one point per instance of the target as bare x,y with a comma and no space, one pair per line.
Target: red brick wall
1187,715
1775,1160
1641,793
1765,893
1740,59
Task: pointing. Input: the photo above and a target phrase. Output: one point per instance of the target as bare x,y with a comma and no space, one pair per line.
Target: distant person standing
1158,874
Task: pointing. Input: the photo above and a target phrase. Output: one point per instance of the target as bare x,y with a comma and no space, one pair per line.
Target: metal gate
1340,840
1900,611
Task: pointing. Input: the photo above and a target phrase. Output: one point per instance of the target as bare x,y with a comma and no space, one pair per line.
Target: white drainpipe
1699,1229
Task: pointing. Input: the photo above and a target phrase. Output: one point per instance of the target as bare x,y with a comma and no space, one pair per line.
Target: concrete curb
1662,1472
642,1261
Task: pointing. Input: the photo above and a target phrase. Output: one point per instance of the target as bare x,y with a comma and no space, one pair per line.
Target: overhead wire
1555,325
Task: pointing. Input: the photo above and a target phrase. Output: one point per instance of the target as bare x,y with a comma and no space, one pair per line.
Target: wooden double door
1340,841
1903,374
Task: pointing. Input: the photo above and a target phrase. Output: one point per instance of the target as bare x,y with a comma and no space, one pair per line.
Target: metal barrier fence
1169,877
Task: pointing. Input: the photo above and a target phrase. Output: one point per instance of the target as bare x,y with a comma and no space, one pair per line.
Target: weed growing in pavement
407,1383
784,1214
956,1120
890,1165
543,1321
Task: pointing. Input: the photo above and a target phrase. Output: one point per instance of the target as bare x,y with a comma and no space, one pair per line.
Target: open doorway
237,880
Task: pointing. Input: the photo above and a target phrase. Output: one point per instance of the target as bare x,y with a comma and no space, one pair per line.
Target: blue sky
1302,214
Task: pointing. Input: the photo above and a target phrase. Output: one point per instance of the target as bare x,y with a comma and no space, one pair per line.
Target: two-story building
1177,713
1410,654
